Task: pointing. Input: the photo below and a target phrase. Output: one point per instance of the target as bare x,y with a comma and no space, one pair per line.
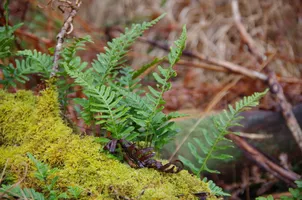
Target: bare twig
287,111
66,29
243,32
263,161
222,63
232,67
255,136
275,87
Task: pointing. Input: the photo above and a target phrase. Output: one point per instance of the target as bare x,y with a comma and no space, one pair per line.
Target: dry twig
245,36
261,160
287,111
275,88
67,28
222,63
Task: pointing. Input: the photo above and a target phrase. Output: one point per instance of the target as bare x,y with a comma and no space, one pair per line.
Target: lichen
33,124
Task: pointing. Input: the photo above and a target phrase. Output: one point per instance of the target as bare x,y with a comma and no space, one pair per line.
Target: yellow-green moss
32,124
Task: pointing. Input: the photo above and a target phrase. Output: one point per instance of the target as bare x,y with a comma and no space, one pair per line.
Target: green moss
31,123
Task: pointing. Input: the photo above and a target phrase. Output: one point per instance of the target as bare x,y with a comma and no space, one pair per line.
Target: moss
31,123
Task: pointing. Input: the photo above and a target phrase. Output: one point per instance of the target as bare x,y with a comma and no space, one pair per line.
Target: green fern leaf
189,164
69,52
17,192
210,149
175,53
105,103
214,188
147,66
116,50
39,62
6,39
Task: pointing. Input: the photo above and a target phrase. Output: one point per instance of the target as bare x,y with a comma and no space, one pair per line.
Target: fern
270,197
211,149
69,57
38,62
128,82
69,52
159,129
214,188
42,173
146,111
147,66
6,43
296,193
6,35
165,74
113,57
21,193
34,63
104,101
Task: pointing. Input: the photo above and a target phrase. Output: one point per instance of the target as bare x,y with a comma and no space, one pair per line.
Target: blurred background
233,49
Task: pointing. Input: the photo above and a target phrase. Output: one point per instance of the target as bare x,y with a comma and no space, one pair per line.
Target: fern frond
127,81
116,50
214,188
105,103
69,58
5,45
214,139
85,113
155,129
39,62
270,197
69,52
23,68
6,40
147,66
132,99
175,53
17,192
166,74
34,62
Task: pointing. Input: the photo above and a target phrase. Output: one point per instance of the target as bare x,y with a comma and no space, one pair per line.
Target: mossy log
33,124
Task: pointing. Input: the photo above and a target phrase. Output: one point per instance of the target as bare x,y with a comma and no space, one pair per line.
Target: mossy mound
33,124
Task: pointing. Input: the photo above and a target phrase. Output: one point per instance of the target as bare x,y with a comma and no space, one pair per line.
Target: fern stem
217,140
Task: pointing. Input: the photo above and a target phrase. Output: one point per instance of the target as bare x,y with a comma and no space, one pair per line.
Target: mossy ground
33,124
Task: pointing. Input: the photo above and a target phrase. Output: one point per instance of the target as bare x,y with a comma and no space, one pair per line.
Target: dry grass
274,25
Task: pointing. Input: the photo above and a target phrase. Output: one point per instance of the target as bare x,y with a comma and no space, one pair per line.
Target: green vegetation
295,192
116,101
79,162
215,137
